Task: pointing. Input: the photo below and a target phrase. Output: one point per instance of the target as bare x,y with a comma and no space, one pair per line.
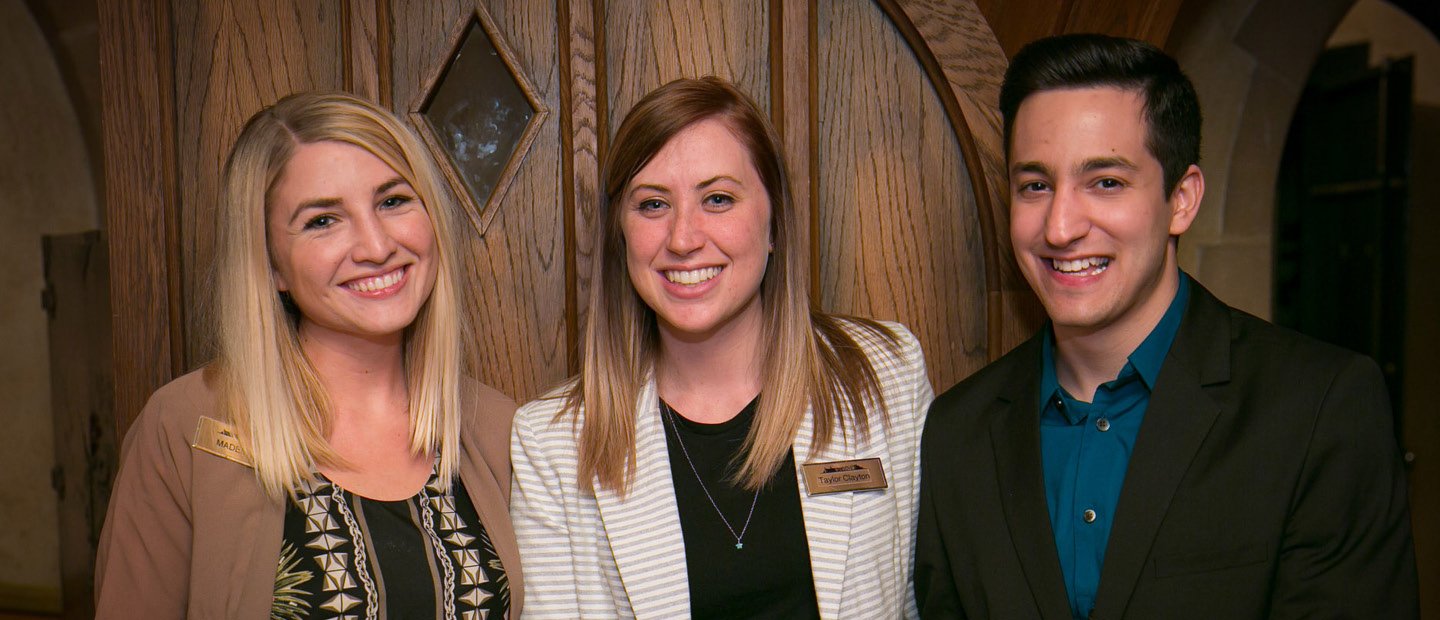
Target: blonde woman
332,461
726,451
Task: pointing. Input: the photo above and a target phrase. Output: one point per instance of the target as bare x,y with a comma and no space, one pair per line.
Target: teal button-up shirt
1085,448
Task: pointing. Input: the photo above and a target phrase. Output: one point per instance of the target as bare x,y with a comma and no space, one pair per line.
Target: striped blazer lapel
643,527
827,522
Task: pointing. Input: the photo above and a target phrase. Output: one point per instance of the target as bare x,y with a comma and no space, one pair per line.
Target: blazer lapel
485,494
643,527
1178,418
237,523
1015,435
827,520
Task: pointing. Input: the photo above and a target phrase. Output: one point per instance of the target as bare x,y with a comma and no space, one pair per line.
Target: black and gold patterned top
345,556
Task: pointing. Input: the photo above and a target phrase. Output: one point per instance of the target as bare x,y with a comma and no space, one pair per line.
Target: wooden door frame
138,125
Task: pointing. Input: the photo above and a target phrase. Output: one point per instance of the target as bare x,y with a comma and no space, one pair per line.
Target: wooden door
886,108
1341,204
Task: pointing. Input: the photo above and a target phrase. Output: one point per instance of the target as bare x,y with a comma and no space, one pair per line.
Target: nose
373,242
687,232
1066,220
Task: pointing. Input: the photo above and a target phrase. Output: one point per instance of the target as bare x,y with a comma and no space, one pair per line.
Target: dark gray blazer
1265,482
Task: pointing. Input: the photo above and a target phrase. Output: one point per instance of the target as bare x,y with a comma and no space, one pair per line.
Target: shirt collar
1145,360
1150,355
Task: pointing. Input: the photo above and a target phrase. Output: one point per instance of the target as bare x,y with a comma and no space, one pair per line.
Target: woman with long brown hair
726,450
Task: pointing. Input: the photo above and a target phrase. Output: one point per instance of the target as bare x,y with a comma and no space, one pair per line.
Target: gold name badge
837,476
219,439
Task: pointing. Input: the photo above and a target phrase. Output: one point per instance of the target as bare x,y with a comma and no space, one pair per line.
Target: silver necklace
739,538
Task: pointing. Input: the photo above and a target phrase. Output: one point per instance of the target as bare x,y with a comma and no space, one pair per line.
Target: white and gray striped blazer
602,556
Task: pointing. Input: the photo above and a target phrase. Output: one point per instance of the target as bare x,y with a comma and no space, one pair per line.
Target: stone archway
1249,61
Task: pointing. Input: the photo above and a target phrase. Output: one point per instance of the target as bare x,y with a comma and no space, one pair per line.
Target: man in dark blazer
1152,452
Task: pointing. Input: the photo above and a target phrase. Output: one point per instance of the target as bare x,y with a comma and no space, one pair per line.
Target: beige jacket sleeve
143,566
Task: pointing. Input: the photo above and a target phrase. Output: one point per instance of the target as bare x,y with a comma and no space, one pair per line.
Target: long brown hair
812,361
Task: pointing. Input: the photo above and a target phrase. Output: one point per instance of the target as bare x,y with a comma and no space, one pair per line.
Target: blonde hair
813,360
269,389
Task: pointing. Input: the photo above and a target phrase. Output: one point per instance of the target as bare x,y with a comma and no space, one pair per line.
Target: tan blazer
192,535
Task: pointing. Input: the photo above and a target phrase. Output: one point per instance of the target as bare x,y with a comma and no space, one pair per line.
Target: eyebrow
388,185
716,179
326,203
1030,166
701,185
649,186
1089,165
1102,163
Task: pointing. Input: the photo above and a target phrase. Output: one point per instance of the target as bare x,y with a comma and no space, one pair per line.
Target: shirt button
1102,424
1089,515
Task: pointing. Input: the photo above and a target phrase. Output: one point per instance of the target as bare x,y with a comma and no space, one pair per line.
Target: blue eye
319,221
719,200
397,200
650,206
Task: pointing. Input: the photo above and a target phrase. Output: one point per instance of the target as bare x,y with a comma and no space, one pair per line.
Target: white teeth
693,276
378,282
1080,264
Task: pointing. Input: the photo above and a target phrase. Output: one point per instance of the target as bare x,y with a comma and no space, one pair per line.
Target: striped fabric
601,556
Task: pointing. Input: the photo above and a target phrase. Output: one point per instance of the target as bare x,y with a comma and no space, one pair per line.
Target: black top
766,573
346,556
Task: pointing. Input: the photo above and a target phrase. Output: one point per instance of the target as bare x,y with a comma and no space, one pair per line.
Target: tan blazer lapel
492,503
643,527
241,543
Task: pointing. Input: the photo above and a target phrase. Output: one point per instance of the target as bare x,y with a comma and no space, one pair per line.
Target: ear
1185,200
280,284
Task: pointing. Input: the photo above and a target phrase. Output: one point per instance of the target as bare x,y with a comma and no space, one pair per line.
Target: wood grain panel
580,153
1017,22
651,43
365,48
792,101
966,66
516,272
1147,20
255,53
137,120
899,236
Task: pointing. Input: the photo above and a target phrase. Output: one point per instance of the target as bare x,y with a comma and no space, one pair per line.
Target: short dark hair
1171,108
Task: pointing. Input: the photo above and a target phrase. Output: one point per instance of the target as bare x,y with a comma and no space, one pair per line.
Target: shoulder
174,410
989,382
1254,337
485,409
548,418
1260,351
884,342
485,421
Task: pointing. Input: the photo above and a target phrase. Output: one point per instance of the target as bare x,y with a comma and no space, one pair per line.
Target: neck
365,378
1088,357
712,377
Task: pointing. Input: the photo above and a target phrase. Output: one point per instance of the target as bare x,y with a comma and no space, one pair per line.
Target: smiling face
1090,221
351,243
696,221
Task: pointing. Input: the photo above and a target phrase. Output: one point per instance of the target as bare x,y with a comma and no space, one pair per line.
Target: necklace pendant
739,545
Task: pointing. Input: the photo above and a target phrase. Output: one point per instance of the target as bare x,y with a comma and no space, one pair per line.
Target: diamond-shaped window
480,114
